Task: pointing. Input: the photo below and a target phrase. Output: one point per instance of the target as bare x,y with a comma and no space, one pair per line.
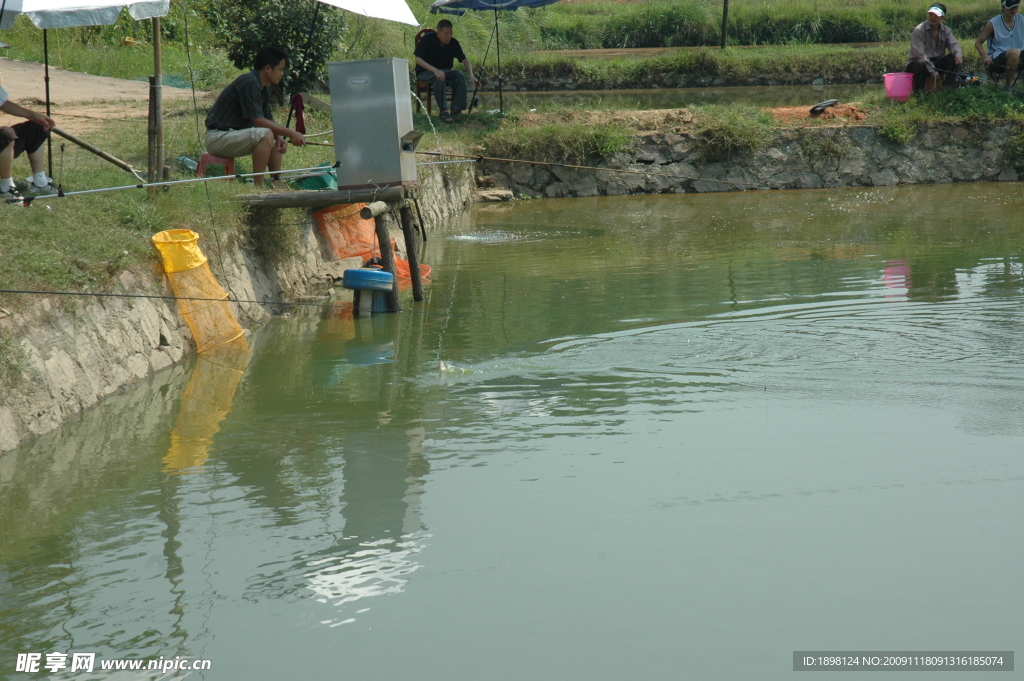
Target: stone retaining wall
80,351
797,158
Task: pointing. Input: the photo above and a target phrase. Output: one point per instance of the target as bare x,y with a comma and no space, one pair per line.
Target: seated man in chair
435,56
241,123
1001,42
929,43
27,137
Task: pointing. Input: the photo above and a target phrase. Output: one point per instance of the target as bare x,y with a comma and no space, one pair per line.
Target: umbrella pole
46,85
497,34
156,171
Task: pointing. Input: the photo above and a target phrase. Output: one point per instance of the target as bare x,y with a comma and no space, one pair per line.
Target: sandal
446,117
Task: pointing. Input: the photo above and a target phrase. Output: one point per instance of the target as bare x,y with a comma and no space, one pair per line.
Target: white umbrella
392,10
66,13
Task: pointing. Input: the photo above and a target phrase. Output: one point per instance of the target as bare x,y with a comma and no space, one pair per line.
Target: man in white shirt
25,137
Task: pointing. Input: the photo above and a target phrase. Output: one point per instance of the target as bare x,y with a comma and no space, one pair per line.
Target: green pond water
672,437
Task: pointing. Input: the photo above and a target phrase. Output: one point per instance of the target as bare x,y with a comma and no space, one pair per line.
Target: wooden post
387,256
725,22
411,247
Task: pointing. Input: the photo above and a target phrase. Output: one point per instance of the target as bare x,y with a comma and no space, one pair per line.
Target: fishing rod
576,167
99,152
475,101
143,185
973,79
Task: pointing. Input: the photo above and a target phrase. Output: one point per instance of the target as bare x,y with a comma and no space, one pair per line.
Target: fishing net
353,237
202,301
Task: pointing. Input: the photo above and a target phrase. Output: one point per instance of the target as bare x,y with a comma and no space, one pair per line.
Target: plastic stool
207,159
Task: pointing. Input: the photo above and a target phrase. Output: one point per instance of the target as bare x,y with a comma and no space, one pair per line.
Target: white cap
936,10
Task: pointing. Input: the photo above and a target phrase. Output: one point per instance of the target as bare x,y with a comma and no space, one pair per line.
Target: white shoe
11,195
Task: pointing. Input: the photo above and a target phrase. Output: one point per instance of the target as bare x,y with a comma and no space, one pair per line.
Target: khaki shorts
234,143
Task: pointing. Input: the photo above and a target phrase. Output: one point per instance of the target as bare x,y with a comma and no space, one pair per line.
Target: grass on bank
668,23
900,122
780,63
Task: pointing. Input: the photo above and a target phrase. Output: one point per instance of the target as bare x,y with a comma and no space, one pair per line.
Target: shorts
234,143
27,136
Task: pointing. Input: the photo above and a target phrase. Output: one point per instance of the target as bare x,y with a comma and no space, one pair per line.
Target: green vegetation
678,23
748,66
81,242
900,122
726,130
558,143
12,359
124,50
831,144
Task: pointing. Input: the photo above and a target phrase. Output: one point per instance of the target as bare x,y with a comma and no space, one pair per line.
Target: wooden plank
322,199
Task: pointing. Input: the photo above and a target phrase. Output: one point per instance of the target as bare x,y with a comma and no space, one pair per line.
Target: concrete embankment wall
796,158
78,351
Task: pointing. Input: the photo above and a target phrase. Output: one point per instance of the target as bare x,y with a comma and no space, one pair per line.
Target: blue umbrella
460,7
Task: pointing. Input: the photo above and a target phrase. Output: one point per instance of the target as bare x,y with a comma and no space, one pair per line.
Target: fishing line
199,140
323,170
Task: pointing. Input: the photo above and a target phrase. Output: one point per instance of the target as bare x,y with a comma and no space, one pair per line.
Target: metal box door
371,107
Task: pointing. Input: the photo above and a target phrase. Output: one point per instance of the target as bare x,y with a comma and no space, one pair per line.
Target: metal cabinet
374,138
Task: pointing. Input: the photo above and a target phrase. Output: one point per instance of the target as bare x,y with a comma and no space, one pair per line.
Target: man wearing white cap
929,42
1005,37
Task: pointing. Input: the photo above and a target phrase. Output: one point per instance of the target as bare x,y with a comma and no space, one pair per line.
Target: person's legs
998,66
428,77
1012,62
441,92
920,71
7,137
458,82
262,156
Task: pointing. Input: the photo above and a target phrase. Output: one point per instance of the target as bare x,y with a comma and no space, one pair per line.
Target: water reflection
637,368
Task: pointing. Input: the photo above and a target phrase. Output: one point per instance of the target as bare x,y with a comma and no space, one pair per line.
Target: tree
307,30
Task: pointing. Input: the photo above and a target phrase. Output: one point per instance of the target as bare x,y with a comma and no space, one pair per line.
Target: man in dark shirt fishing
241,123
929,43
436,54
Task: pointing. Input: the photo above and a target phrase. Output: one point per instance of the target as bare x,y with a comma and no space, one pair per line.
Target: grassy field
598,24
660,23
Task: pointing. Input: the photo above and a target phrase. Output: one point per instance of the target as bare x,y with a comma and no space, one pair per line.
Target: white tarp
65,13
392,10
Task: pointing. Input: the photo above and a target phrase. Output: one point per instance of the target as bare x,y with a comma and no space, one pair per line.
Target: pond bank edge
77,352
794,158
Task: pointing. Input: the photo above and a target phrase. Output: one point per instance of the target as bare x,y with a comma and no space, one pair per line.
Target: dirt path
80,102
